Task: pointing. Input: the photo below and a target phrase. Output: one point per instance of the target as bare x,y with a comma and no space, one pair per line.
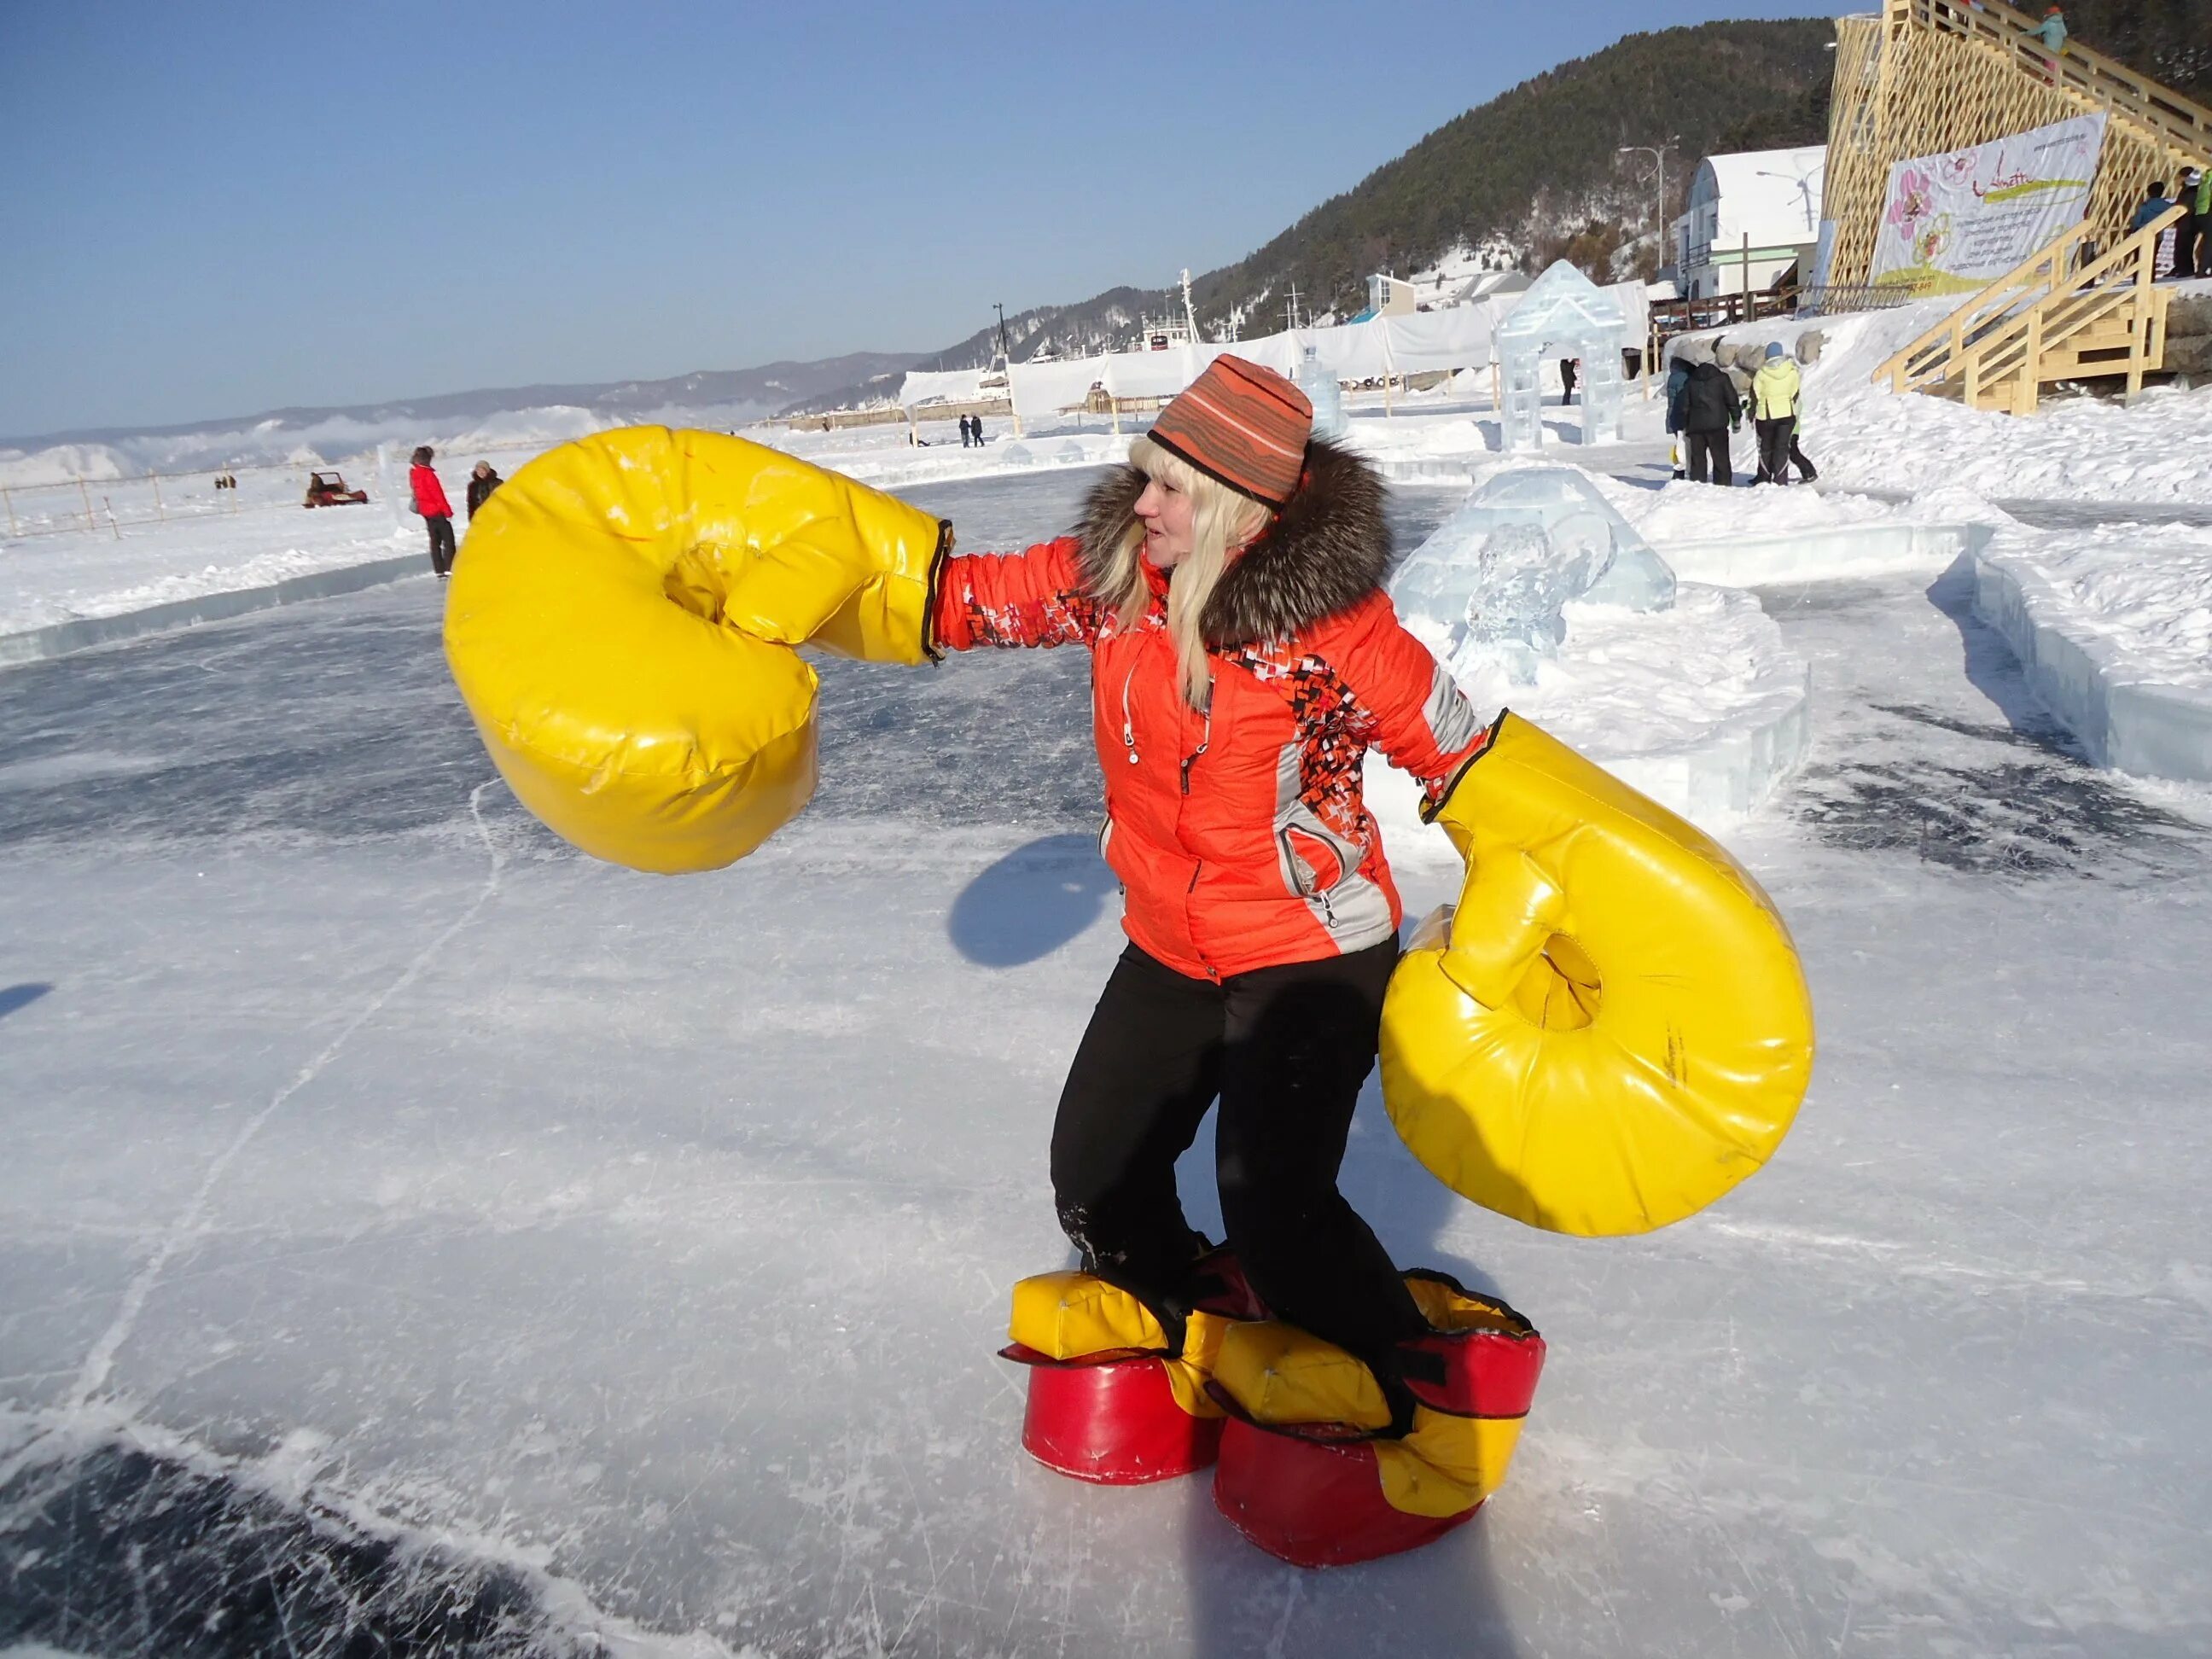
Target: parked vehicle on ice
329,489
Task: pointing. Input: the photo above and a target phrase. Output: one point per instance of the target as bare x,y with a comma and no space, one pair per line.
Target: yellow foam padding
1445,1465
1612,1028
1071,1315
623,625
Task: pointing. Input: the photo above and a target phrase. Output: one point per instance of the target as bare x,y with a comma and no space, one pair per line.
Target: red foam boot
1120,1399
1113,1421
1314,1470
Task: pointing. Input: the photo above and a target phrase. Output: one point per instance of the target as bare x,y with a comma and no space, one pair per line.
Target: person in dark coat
1710,411
482,482
1568,367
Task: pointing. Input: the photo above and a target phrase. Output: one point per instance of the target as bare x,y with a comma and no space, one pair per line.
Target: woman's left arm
1422,722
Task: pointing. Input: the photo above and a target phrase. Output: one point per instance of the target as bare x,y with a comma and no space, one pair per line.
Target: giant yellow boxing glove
623,627
1612,1028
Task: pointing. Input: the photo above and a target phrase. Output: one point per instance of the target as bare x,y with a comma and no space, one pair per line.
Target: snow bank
63,592
2114,629
1702,708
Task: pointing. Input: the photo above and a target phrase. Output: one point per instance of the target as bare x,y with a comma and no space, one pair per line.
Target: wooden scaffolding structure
1927,77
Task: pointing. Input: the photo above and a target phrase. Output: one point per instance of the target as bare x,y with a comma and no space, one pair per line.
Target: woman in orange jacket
1244,658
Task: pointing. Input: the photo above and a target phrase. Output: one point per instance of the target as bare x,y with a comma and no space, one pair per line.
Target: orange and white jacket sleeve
1028,599
1421,720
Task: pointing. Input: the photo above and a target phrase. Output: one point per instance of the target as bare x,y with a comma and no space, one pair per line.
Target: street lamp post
1659,156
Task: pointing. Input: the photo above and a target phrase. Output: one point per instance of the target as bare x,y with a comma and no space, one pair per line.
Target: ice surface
1497,572
460,1227
1320,385
1563,314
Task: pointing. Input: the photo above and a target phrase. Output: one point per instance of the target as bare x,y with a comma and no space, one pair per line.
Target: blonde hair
1223,523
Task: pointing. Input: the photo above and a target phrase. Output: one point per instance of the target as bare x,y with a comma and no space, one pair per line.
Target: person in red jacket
437,512
1243,660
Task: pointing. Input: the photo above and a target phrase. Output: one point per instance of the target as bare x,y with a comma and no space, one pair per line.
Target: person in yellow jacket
1775,391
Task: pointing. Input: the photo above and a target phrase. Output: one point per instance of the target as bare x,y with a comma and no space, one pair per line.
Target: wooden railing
2106,83
2035,325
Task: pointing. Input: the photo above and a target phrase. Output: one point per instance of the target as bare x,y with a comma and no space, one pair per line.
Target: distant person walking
2192,237
482,482
2156,206
1710,411
1568,367
2052,32
1774,395
437,513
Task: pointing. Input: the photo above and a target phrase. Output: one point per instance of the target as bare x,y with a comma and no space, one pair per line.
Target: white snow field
413,1232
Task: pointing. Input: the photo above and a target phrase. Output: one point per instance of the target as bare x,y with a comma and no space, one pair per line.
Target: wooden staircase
2057,317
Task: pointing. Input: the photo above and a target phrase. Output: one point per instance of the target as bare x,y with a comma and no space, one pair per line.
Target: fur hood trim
1328,550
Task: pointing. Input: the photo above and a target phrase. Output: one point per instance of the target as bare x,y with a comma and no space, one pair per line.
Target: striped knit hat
1243,425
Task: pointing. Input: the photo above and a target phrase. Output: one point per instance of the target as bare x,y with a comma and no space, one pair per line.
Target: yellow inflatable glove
1613,1029
624,626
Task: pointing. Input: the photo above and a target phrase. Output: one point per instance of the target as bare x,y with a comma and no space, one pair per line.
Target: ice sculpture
1016,455
1491,582
1326,396
1563,314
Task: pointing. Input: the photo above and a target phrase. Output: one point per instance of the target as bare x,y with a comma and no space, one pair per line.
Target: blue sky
213,209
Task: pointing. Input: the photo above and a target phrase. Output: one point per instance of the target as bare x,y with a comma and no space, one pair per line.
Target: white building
1751,218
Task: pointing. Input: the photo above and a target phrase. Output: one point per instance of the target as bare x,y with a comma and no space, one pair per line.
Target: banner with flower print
1953,224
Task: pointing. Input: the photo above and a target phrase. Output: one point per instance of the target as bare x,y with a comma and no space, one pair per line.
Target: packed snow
2113,628
2145,588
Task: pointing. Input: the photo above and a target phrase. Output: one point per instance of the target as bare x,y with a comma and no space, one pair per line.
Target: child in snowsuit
1774,393
437,513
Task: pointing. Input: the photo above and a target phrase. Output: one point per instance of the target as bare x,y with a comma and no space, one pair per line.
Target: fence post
112,524
13,529
155,478
87,493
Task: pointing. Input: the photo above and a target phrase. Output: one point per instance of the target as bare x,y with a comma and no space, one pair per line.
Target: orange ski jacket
1240,834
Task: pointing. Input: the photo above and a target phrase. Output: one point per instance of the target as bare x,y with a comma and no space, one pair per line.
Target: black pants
1775,440
1709,456
441,543
1806,471
2190,246
1286,1049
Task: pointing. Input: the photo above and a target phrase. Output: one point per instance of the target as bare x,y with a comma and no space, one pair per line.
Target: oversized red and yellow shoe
1117,1392
1313,1469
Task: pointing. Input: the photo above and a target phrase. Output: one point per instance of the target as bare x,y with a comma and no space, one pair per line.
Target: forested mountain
2169,40
1533,175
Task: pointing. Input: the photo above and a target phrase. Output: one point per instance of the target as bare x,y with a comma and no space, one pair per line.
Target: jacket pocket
1311,865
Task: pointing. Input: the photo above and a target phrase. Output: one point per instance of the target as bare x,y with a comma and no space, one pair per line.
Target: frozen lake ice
414,1231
